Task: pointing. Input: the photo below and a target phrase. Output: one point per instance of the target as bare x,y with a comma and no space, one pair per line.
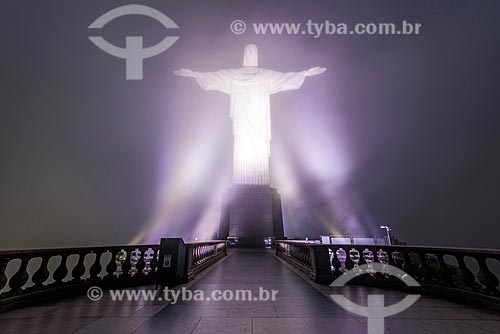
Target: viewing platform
300,305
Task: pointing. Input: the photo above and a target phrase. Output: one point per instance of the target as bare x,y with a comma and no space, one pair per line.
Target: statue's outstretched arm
315,71
283,81
184,72
218,80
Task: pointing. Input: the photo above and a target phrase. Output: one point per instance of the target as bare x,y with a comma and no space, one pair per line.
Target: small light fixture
388,230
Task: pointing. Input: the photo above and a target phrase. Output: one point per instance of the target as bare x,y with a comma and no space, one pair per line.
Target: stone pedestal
251,213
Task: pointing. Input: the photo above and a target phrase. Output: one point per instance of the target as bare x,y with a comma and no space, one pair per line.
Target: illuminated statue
249,88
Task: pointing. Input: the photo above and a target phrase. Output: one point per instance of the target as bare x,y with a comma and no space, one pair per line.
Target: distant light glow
312,171
179,210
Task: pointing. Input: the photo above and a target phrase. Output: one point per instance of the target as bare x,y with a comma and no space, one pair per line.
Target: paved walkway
299,308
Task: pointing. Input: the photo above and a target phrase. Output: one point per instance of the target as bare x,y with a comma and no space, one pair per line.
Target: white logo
133,53
376,311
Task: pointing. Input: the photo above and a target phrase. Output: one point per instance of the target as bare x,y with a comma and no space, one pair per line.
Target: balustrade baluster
95,268
336,263
331,256
355,257
3,265
135,257
486,277
41,274
28,286
79,269
112,266
21,276
126,266
369,258
408,266
444,273
423,269
120,258
59,272
342,256
141,264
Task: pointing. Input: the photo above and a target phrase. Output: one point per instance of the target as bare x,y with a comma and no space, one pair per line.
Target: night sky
401,130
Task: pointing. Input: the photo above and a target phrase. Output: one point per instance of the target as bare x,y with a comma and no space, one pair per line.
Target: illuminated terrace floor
299,308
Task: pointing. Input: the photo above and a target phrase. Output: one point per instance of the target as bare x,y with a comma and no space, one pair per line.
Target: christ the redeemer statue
249,88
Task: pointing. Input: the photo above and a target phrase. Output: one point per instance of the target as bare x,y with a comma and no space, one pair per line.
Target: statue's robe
249,89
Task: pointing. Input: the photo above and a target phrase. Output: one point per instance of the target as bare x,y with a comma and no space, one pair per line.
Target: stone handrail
457,272
36,275
203,254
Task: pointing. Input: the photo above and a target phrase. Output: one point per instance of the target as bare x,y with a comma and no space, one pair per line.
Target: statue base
251,214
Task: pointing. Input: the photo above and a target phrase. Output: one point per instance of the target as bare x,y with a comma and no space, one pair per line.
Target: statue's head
251,57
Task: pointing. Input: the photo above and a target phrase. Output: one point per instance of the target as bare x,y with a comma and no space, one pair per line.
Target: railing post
320,261
190,259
